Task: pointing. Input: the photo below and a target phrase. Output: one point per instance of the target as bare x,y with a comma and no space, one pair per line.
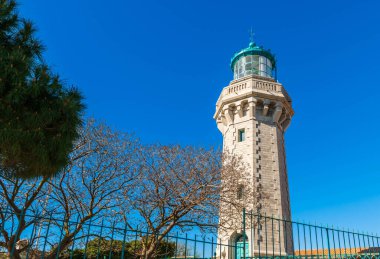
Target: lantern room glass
253,65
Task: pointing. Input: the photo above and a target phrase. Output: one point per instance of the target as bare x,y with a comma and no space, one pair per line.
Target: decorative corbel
286,124
229,114
252,107
266,107
239,108
277,112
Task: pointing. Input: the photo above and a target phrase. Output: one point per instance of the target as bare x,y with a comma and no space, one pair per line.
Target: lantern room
254,60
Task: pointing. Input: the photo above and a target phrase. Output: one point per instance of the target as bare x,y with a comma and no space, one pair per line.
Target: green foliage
101,248
39,116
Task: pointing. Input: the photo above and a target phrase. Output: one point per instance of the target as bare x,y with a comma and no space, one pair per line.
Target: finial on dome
251,34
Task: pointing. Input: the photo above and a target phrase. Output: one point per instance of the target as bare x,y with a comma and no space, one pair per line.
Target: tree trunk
15,255
66,241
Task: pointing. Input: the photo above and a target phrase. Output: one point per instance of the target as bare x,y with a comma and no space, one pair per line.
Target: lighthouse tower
253,113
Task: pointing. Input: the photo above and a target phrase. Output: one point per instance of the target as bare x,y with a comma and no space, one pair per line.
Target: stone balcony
256,86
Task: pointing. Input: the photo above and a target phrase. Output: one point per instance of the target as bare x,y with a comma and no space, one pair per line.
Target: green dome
254,60
253,49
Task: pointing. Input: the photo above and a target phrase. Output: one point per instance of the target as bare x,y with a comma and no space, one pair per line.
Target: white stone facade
261,108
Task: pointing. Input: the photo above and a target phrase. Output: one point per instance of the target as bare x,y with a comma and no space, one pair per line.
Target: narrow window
241,135
240,191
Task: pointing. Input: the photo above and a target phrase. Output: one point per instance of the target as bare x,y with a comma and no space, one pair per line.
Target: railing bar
333,236
220,248
292,231
323,245
195,245
344,243
124,239
311,242
112,235
364,246
286,235
186,247
349,243
358,235
279,235
167,246
373,243
304,237
146,241
244,235
272,237
266,236
298,237
369,246
212,247
46,237
176,246
203,251
328,243
72,246
316,239
135,243
339,243
252,236
259,234
30,240
60,240
88,235
22,216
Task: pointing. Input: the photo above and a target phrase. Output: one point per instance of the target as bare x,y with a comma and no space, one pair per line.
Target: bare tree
91,186
19,199
153,188
181,188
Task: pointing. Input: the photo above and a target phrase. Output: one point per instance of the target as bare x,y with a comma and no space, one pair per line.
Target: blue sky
156,68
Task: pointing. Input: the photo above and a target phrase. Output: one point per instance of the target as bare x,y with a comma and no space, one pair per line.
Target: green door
239,252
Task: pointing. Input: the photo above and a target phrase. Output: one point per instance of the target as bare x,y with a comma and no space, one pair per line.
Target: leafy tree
39,116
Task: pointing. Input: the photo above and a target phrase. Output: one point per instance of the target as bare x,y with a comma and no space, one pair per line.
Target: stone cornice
253,86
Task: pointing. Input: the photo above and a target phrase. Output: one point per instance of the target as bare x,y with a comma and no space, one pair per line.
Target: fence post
328,242
244,255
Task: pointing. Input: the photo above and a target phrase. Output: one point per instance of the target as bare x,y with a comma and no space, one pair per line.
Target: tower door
239,248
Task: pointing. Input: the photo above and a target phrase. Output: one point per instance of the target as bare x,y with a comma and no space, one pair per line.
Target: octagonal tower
252,113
